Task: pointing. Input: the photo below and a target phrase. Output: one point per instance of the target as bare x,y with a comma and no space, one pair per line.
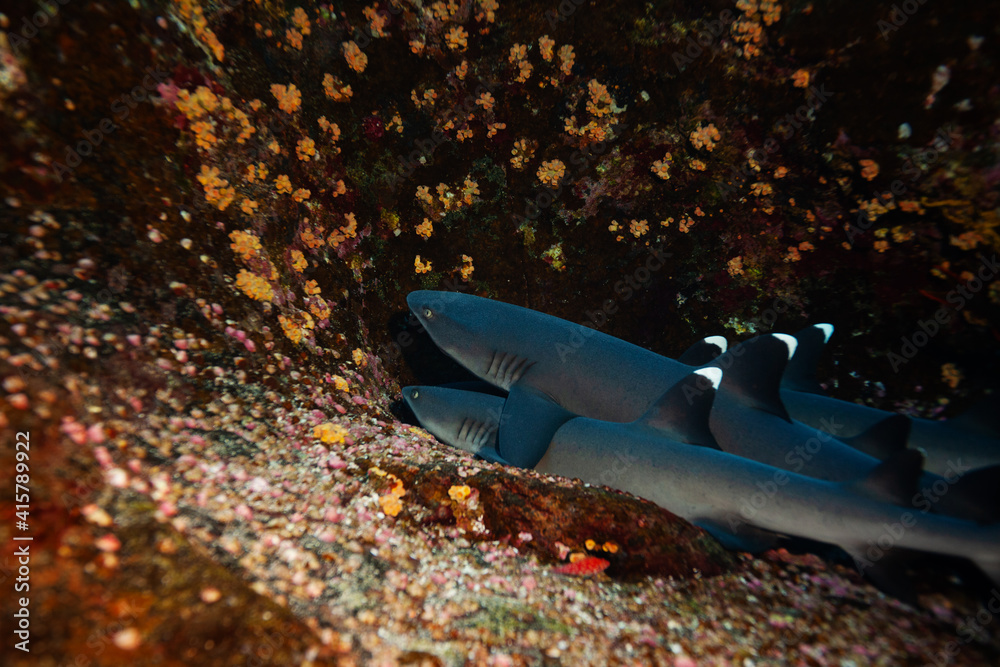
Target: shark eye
428,313
415,394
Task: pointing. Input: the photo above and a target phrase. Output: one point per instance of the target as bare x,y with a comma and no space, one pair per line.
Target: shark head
473,331
464,419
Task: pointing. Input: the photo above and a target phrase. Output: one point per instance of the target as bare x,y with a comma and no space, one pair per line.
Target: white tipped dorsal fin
681,413
800,374
704,351
753,372
789,341
713,375
718,341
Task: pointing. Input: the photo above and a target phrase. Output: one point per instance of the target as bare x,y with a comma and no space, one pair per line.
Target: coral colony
211,215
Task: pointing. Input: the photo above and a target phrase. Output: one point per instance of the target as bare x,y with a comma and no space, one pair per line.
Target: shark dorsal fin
529,420
681,413
800,374
704,351
884,438
895,480
753,371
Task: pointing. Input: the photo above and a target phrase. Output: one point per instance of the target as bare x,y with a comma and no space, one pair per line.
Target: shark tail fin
884,438
682,412
974,496
704,351
895,480
800,374
983,417
753,371
529,420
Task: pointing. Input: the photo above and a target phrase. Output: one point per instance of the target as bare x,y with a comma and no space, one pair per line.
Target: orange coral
662,167
638,227
355,58
869,169
550,173
335,89
245,244
330,433
306,149
485,101
254,286
705,137
545,45
421,267
289,98
457,39
566,58
425,229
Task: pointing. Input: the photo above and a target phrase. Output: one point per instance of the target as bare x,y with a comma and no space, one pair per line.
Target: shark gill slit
463,431
506,369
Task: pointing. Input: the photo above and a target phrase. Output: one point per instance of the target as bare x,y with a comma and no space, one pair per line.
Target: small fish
584,566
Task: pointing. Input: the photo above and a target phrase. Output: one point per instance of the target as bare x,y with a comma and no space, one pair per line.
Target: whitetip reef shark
592,374
668,456
540,359
971,436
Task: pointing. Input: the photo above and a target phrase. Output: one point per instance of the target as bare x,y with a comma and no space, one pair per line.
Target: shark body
667,457
532,355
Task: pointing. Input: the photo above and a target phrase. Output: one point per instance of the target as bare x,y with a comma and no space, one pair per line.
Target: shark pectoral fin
886,569
800,374
753,371
739,536
974,496
681,413
884,438
528,422
895,480
704,351
491,454
983,417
